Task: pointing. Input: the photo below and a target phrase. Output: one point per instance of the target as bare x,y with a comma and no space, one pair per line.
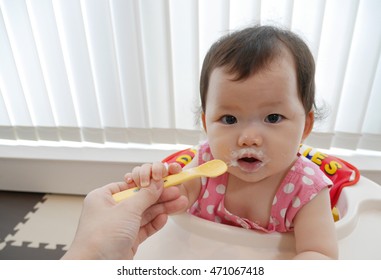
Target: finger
144,198
174,206
135,175
171,207
151,228
174,168
145,175
159,171
129,180
169,193
141,175
115,187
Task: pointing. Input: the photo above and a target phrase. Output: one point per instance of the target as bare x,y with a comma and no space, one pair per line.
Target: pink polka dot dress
303,182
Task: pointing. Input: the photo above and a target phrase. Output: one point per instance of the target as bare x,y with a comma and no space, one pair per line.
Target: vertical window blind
127,71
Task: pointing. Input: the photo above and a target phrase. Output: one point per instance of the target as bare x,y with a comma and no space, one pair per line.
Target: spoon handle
125,194
185,175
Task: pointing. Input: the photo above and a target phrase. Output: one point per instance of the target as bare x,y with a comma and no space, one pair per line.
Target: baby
257,105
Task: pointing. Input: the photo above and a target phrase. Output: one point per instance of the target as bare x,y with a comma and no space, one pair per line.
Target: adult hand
110,230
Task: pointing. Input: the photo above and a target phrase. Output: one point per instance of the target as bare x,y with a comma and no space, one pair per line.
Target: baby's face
257,124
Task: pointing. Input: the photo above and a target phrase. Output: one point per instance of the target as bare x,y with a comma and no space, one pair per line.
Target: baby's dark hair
245,52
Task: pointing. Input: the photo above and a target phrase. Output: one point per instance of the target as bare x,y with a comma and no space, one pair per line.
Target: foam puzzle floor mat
35,226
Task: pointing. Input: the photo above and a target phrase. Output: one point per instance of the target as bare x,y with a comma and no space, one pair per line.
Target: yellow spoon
211,168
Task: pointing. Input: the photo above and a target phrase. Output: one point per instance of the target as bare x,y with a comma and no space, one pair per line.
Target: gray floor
35,226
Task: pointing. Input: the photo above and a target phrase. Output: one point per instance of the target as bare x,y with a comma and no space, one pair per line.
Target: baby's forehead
237,72
283,60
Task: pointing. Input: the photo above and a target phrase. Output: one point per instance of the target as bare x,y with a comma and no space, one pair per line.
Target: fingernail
144,184
166,165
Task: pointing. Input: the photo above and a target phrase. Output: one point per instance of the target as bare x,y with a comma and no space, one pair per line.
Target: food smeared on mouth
248,159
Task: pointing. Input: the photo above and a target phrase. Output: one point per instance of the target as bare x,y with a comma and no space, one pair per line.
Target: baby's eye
274,118
228,119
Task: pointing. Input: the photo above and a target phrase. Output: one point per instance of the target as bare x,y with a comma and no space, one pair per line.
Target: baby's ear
309,124
203,121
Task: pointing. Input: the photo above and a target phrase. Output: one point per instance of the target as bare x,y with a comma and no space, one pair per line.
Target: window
113,75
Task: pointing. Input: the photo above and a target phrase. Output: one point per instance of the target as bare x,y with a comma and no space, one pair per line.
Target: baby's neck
251,200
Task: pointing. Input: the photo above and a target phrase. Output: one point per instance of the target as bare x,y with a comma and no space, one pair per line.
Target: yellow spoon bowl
211,168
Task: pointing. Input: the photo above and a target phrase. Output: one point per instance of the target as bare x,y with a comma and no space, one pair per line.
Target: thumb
145,197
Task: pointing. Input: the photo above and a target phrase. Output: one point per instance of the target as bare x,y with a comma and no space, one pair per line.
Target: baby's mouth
249,164
248,160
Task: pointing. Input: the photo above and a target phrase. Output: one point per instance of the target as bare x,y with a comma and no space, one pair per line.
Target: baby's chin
242,178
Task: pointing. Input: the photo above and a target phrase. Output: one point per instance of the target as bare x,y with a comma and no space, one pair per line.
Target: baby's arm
141,176
314,228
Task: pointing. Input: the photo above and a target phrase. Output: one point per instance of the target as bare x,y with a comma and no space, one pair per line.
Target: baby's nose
250,137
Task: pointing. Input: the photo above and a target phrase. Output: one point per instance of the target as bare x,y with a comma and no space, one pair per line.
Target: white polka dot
283,212
289,188
203,180
206,194
296,202
210,209
220,189
293,168
287,223
206,156
312,196
309,170
227,218
275,200
275,222
307,181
